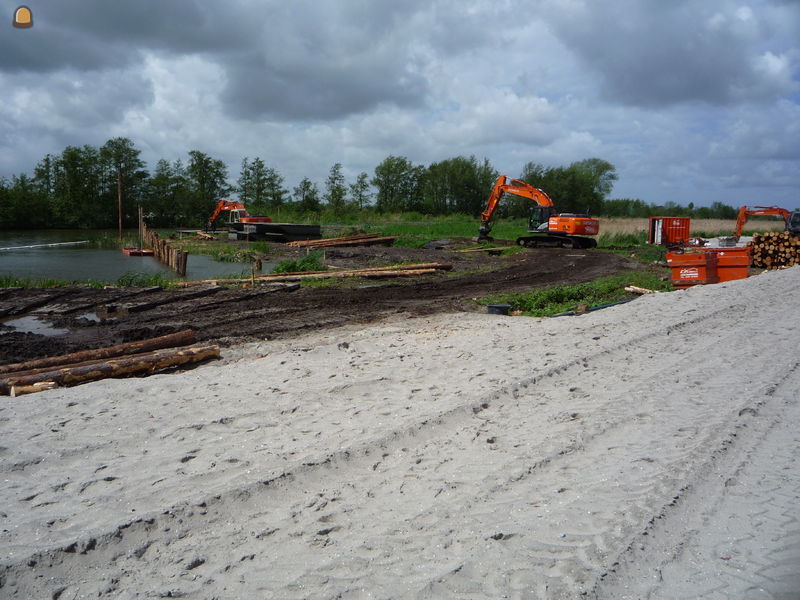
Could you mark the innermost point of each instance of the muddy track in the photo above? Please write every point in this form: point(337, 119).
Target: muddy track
point(96, 318)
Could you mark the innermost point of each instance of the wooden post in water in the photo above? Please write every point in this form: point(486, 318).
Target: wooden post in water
point(174, 258)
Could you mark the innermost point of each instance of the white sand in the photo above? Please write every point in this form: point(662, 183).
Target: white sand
point(622, 453)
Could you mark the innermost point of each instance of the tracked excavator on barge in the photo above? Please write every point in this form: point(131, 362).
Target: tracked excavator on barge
point(546, 226)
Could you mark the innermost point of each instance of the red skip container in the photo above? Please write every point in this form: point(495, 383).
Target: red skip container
point(692, 268)
point(732, 263)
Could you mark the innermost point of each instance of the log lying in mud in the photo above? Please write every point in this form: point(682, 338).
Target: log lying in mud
point(368, 273)
point(774, 250)
point(360, 239)
point(180, 338)
point(136, 364)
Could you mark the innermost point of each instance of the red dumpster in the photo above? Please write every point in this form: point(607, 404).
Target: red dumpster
point(692, 268)
point(732, 263)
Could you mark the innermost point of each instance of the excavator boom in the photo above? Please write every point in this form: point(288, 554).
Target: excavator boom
point(745, 212)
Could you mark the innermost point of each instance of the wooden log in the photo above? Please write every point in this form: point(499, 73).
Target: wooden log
point(137, 364)
point(180, 338)
point(365, 240)
point(366, 272)
point(635, 289)
point(20, 390)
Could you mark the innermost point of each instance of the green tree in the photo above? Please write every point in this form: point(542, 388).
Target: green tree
point(207, 179)
point(22, 204)
point(398, 183)
point(306, 196)
point(276, 194)
point(579, 188)
point(457, 185)
point(124, 178)
point(77, 190)
point(335, 190)
point(360, 194)
point(166, 195)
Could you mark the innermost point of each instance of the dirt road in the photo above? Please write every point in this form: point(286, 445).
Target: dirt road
point(641, 451)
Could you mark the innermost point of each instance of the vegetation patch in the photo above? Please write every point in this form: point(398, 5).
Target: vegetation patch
point(9, 281)
point(225, 250)
point(136, 279)
point(565, 298)
point(310, 262)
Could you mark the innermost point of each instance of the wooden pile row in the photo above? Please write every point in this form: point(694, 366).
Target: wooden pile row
point(133, 358)
point(775, 249)
point(167, 255)
point(359, 239)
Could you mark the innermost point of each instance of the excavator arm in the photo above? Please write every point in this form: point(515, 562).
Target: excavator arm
point(745, 212)
point(515, 187)
point(222, 206)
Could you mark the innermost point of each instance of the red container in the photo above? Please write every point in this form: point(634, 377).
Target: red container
point(692, 268)
point(732, 263)
point(669, 231)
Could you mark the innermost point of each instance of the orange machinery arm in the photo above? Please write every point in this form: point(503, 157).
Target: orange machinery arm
point(223, 205)
point(745, 212)
point(516, 187)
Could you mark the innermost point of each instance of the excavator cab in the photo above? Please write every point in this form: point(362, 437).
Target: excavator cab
point(793, 222)
point(539, 218)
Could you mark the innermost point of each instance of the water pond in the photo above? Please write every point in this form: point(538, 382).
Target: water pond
point(33, 255)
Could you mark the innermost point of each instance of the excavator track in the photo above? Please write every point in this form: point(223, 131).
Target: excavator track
point(556, 241)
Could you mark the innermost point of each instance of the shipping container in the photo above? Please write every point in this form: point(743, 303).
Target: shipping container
point(669, 231)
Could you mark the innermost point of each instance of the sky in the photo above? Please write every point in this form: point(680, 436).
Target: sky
point(691, 100)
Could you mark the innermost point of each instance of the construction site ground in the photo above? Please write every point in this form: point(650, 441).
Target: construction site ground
point(86, 317)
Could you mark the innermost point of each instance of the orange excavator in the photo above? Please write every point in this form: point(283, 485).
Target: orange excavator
point(548, 228)
point(238, 214)
point(791, 219)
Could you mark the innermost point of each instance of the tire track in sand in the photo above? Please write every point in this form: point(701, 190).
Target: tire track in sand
point(535, 452)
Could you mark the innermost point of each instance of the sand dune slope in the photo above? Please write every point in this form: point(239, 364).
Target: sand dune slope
point(643, 450)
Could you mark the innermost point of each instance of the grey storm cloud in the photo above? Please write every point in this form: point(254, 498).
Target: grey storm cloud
point(653, 53)
point(296, 60)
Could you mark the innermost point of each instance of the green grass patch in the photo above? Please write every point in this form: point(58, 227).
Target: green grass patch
point(564, 298)
point(310, 262)
point(10, 281)
point(136, 279)
point(225, 250)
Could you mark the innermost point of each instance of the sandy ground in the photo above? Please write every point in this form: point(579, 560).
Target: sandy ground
point(648, 450)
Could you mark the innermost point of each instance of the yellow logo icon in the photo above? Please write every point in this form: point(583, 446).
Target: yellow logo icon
point(23, 18)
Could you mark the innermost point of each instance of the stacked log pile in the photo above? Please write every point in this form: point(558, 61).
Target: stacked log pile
point(775, 250)
point(359, 239)
point(144, 357)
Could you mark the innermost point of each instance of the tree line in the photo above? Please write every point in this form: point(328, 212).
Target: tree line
point(81, 187)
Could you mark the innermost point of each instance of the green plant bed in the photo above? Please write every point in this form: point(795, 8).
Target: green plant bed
point(310, 262)
point(564, 298)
